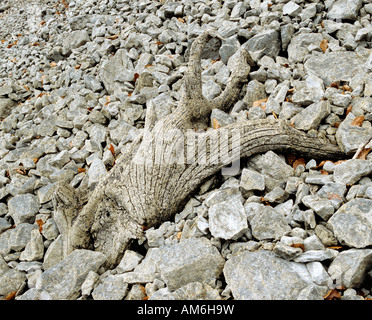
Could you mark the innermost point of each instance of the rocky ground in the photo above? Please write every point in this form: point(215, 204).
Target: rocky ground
point(75, 79)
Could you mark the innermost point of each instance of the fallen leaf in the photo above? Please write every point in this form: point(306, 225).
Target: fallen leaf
point(80, 170)
point(27, 88)
point(11, 295)
point(136, 76)
point(333, 196)
point(297, 162)
point(21, 171)
point(13, 44)
point(180, 20)
point(42, 23)
point(290, 158)
point(323, 172)
point(40, 223)
point(115, 36)
point(363, 154)
point(334, 85)
point(345, 87)
point(298, 245)
point(78, 66)
point(336, 124)
point(35, 44)
point(179, 235)
point(35, 160)
point(348, 110)
point(324, 45)
point(339, 162)
point(158, 43)
point(274, 114)
point(322, 24)
point(358, 121)
point(53, 64)
point(335, 247)
point(259, 103)
point(215, 124)
point(214, 61)
point(111, 148)
point(332, 294)
point(149, 65)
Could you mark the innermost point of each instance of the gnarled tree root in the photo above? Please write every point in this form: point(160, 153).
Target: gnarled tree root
point(152, 181)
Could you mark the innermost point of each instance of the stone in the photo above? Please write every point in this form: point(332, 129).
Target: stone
point(262, 275)
point(268, 224)
point(194, 259)
point(264, 43)
point(227, 220)
point(196, 291)
point(221, 117)
point(16, 239)
point(311, 116)
point(344, 9)
point(321, 206)
point(351, 171)
point(23, 208)
point(350, 267)
point(74, 40)
point(89, 283)
point(252, 180)
point(34, 249)
point(352, 223)
point(316, 255)
point(292, 9)
point(45, 193)
point(333, 67)
point(325, 235)
point(53, 254)
point(221, 195)
point(129, 261)
point(6, 106)
point(318, 274)
point(255, 91)
point(110, 288)
point(63, 281)
point(349, 137)
point(11, 281)
point(4, 225)
point(286, 252)
point(96, 172)
point(272, 167)
point(298, 47)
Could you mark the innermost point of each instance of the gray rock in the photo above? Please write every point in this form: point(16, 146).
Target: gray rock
point(311, 116)
point(74, 40)
point(23, 208)
point(318, 274)
point(277, 195)
point(262, 275)
point(11, 280)
point(54, 253)
point(96, 172)
point(129, 261)
point(321, 206)
point(352, 224)
point(268, 224)
point(89, 283)
point(325, 235)
point(64, 280)
point(298, 47)
point(222, 117)
point(34, 249)
point(45, 193)
point(255, 91)
point(196, 291)
point(6, 106)
point(350, 267)
point(286, 252)
point(4, 225)
point(227, 220)
point(272, 167)
point(218, 196)
point(264, 43)
point(316, 255)
point(351, 171)
point(15, 239)
point(60, 159)
point(252, 180)
point(112, 287)
point(194, 259)
point(292, 9)
point(344, 9)
point(332, 67)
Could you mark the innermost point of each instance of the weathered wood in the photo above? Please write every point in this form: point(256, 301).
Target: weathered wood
point(152, 181)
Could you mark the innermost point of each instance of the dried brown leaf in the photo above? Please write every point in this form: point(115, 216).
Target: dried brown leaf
point(215, 124)
point(324, 45)
point(358, 121)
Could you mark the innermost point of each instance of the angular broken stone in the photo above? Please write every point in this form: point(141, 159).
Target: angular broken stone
point(311, 116)
point(321, 206)
point(350, 267)
point(227, 220)
point(252, 180)
point(352, 223)
point(112, 287)
point(351, 171)
point(344, 9)
point(23, 208)
point(262, 275)
point(63, 281)
point(194, 259)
